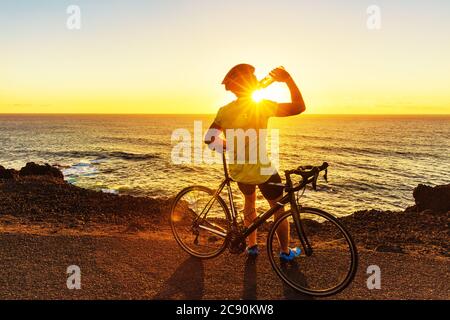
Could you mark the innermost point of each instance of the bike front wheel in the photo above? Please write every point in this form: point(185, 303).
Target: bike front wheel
point(328, 260)
point(200, 222)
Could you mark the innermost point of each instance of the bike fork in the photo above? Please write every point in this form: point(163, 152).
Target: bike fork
point(300, 231)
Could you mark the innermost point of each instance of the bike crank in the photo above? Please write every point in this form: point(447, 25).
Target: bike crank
point(236, 243)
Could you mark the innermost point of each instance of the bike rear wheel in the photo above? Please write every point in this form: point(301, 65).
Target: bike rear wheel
point(200, 222)
point(332, 264)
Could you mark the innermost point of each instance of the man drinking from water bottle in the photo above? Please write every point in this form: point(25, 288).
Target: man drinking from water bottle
point(245, 113)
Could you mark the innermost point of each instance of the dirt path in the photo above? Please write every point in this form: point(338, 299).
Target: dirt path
point(152, 266)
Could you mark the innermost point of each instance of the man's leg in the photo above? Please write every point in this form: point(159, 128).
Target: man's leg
point(283, 227)
point(273, 194)
point(250, 215)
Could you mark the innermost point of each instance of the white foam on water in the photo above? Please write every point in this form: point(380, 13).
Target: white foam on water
point(76, 171)
point(82, 164)
point(111, 191)
point(98, 161)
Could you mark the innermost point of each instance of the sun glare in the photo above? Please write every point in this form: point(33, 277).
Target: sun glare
point(258, 95)
point(275, 93)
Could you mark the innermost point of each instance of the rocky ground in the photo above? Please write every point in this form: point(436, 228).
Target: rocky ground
point(41, 213)
point(44, 196)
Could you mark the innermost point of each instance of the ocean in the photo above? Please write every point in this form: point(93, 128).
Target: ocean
point(375, 161)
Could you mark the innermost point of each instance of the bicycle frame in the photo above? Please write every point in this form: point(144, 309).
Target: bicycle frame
point(260, 219)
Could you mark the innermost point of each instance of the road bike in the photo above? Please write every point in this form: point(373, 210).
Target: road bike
point(204, 226)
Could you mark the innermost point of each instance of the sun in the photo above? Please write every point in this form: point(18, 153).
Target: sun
point(276, 92)
point(258, 95)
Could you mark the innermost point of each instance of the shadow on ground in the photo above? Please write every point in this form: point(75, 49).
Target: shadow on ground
point(251, 279)
point(293, 272)
point(187, 282)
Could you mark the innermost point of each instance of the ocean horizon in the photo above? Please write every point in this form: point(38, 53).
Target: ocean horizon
point(212, 114)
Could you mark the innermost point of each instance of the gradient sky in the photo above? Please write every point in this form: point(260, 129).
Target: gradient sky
point(170, 56)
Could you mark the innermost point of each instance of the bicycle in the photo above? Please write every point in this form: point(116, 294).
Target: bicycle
point(204, 227)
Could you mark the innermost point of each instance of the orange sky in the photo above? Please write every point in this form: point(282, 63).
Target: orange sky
point(143, 57)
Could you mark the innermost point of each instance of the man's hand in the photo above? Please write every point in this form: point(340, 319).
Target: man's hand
point(280, 75)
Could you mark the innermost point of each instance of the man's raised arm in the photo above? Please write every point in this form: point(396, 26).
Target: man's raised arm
point(297, 105)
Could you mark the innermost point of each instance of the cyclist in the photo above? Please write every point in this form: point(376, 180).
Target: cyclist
point(245, 113)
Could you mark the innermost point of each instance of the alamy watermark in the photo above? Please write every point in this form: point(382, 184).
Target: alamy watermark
point(242, 146)
point(374, 17)
point(74, 278)
point(374, 279)
point(74, 19)
point(373, 22)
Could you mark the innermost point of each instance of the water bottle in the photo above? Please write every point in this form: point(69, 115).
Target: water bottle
point(267, 80)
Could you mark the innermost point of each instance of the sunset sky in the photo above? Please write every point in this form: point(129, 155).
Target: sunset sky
point(170, 56)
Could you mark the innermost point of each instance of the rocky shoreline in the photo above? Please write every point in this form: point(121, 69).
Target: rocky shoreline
point(38, 194)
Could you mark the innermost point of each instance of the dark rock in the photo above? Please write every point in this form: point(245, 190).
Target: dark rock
point(8, 173)
point(33, 169)
point(411, 209)
point(436, 198)
point(389, 248)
